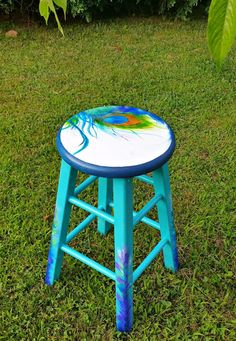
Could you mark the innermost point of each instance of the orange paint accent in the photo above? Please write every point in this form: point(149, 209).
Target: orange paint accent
point(132, 120)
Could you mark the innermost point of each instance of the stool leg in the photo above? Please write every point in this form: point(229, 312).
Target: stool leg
point(104, 199)
point(60, 223)
point(165, 214)
point(123, 213)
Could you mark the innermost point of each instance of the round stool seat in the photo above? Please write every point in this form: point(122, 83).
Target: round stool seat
point(115, 141)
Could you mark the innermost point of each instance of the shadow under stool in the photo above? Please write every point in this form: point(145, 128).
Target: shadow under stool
point(114, 144)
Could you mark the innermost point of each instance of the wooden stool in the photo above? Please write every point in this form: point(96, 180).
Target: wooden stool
point(114, 144)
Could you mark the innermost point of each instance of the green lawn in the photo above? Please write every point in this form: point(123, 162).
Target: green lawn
point(157, 65)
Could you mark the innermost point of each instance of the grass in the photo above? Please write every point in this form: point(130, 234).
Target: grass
point(161, 66)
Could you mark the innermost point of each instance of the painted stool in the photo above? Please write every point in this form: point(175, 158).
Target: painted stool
point(114, 144)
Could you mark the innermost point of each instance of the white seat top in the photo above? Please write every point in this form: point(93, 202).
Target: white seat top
point(115, 137)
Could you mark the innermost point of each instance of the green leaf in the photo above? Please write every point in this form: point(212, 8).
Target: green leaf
point(47, 6)
point(44, 9)
point(62, 4)
point(221, 28)
point(52, 8)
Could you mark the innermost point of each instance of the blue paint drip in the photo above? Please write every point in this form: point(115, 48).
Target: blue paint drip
point(91, 125)
point(85, 140)
point(176, 259)
point(83, 118)
point(175, 251)
point(173, 236)
point(48, 279)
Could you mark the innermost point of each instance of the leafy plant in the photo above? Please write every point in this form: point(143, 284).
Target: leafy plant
point(221, 28)
point(87, 8)
point(6, 6)
point(48, 6)
point(221, 21)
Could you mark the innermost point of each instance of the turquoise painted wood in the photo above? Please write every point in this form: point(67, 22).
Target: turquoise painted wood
point(123, 227)
point(151, 256)
point(90, 262)
point(92, 209)
point(151, 203)
point(80, 227)
point(105, 197)
point(145, 178)
point(165, 213)
point(85, 184)
point(60, 223)
point(144, 220)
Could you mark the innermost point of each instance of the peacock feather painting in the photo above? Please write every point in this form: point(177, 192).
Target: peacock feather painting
point(115, 133)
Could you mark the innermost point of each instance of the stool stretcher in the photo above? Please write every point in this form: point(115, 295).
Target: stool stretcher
point(80, 227)
point(145, 263)
point(88, 261)
point(145, 178)
point(87, 207)
point(107, 272)
point(85, 184)
point(144, 220)
point(139, 215)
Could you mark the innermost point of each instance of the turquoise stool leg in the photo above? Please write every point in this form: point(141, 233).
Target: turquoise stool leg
point(61, 220)
point(104, 199)
point(123, 214)
point(165, 214)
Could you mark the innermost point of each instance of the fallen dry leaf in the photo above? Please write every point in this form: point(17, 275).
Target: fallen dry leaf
point(11, 33)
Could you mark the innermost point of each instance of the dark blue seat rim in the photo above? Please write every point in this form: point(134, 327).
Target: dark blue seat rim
point(115, 172)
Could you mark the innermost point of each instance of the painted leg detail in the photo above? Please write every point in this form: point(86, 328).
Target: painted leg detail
point(124, 292)
point(52, 251)
point(123, 214)
point(61, 220)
